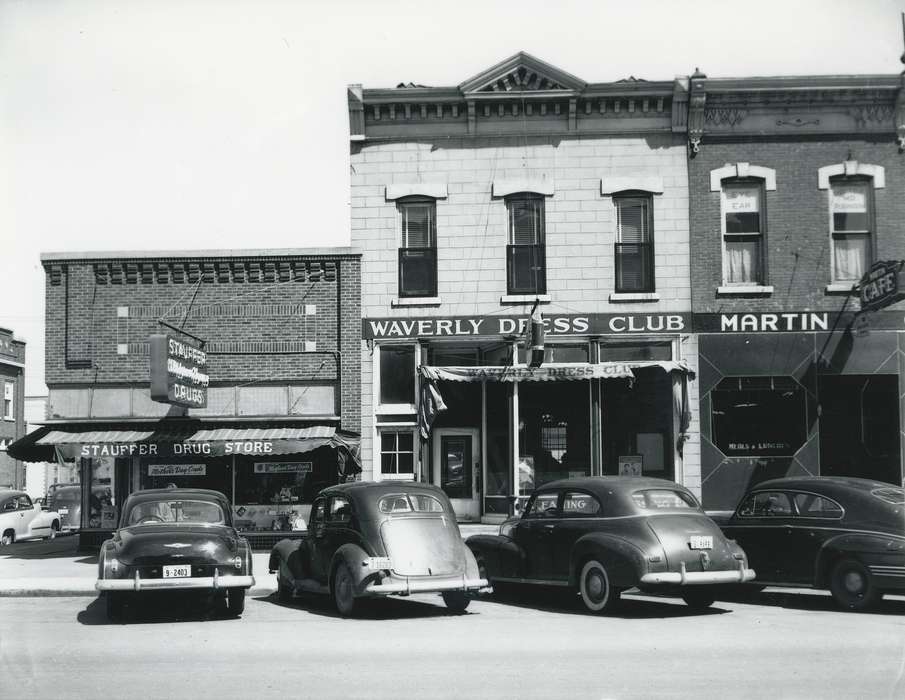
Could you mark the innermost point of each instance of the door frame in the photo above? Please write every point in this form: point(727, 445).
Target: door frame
point(465, 509)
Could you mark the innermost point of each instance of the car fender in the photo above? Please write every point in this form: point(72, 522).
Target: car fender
point(287, 553)
point(865, 547)
point(471, 563)
point(106, 552)
point(624, 561)
point(502, 556)
point(356, 559)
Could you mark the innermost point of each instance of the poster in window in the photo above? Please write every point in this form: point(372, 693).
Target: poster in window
point(851, 198)
point(630, 465)
point(742, 199)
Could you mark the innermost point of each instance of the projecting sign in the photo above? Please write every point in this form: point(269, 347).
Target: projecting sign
point(178, 372)
point(881, 286)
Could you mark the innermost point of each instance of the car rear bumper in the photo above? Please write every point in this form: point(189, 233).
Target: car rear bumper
point(698, 578)
point(137, 583)
point(404, 585)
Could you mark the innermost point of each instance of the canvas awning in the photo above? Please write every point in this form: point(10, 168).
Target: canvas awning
point(552, 372)
point(177, 440)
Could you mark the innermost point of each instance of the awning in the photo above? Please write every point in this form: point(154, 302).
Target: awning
point(180, 440)
point(552, 372)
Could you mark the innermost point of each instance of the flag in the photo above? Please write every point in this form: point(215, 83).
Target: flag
point(430, 407)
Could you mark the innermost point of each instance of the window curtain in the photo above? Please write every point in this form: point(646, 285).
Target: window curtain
point(631, 221)
point(417, 225)
point(850, 258)
point(742, 262)
point(526, 226)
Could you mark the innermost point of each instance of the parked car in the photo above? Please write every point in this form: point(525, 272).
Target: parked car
point(844, 534)
point(20, 519)
point(175, 539)
point(377, 539)
point(602, 535)
point(66, 499)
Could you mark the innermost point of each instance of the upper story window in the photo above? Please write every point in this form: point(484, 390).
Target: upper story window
point(525, 254)
point(9, 392)
point(417, 247)
point(397, 374)
point(851, 226)
point(634, 245)
point(743, 233)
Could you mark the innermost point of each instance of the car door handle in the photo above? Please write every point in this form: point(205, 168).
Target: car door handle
point(549, 528)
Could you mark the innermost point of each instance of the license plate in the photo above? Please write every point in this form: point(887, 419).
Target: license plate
point(177, 571)
point(63, 511)
point(701, 542)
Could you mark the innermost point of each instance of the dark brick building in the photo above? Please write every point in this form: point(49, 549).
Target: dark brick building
point(12, 416)
point(281, 333)
point(796, 187)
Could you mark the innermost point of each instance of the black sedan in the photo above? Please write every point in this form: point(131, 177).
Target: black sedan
point(844, 534)
point(601, 535)
point(175, 539)
point(376, 539)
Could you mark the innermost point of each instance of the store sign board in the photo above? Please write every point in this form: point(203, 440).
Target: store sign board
point(282, 467)
point(554, 325)
point(882, 285)
point(177, 469)
point(178, 372)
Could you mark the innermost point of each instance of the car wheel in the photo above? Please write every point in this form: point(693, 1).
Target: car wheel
point(115, 605)
point(235, 601)
point(8, 538)
point(698, 599)
point(344, 590)
point(852, 586)
point(53, 530)
point(597, 593)
point(457, 601)
point(284, 592)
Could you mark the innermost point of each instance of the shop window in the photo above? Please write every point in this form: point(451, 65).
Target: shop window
point(743, 233)
point(636, 352)
point(418, 247)
point(397, 374)
point(397, 454)
point(559, 352)
point(9, 393)
point(525, 254)
point(851, 221)
point(102, 505)
point(499, 461)
point(634, 244)
point(759, 416)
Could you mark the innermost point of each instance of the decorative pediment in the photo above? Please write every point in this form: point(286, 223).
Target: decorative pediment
point(522, 73)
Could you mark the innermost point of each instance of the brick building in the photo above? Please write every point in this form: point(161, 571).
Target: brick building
point(797, 186)
point(12, 420)
point(280, 331)
point(522, 186)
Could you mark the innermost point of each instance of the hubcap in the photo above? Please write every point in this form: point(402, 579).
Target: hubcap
point(595, 585)
point(853, 582)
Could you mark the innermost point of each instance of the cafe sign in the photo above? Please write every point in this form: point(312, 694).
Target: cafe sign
point(882, 285)
point(178, 372)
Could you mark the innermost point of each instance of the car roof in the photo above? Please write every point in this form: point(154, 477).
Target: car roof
point(825, 483)
point(6, 493)
point(154, 494)
point(360, 488)
point(598, 484)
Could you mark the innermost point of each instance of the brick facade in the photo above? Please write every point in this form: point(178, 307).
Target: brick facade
point(12, 374)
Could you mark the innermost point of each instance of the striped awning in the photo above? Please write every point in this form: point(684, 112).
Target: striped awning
point(551, 372)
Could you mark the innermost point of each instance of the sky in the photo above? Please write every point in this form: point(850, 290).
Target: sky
point(196, 124)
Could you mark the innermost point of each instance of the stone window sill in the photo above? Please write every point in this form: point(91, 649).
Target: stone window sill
point(416, 301)
point(840, 288)
point(744, 290)
point(525, 298)
point(634, 296)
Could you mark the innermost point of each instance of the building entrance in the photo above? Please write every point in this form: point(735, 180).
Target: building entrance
point(457, 469)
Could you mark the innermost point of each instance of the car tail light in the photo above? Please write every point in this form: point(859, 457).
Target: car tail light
point(237, 562)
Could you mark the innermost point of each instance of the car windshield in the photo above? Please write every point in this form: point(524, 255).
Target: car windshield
point(891, 495)
point(410, 503)
point(663, 499)
point(176, 511)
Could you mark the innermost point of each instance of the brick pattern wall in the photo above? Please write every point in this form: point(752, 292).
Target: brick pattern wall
point(797, 219)
point(12, 472)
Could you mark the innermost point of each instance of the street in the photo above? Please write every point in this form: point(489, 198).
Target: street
point(528, 644)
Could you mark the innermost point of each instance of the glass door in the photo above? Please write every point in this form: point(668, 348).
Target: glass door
point(457, 469)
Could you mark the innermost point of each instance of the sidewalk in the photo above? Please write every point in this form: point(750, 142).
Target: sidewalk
point(56, 568)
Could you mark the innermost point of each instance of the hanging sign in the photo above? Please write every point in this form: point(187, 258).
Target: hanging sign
point(178, 372)
point(881, 285)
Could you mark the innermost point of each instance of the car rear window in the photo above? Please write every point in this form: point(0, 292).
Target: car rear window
point(410, 503)
point(68, 496)
point(176, 511)
point(891, 495)
point(663, 499)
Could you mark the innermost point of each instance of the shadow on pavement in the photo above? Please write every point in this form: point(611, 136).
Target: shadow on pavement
point(157, 607)
point(801, 599)
point(64, 546)
point(632, 606)
point(389, 608)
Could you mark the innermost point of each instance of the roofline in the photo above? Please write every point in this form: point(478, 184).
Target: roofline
point(325, 252)
point(889, 81)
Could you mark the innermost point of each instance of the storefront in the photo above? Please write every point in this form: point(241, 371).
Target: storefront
point(270, 475)
point(610, 397)
point(797, 394)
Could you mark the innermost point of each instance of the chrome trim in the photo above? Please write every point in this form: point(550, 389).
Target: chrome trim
point(697, 578)
point(535, 581)
point(410, 584)
point(139, 584)
point(840, 530)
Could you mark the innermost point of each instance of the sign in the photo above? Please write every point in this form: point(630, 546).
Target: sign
point(177, 469)
point(553, 325)
point(282, 467)
point(630, 465)
point(178, 372)
point(881, 286)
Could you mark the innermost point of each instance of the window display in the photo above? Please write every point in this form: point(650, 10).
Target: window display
point(102, 506)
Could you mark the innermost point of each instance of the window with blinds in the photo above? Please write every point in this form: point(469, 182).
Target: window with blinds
point(634, 244)
point(850, 203)
point(525, 254)
point(417, 250)
point(742, 209)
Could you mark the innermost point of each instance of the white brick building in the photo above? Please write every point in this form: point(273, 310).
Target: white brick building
point(524, 185)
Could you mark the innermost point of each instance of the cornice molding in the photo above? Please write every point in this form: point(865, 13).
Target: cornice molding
point(522, 70)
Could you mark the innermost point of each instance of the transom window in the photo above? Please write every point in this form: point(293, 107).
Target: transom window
point(397, 453)
point(743, 232)
point(526, 257)
point(418, 247)
point(634, 244)
point(851, 210)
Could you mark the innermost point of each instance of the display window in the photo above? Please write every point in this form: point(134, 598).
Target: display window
point(103, 504)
